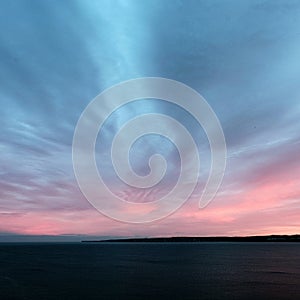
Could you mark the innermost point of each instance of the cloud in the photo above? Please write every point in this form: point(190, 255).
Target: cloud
point(241, 56)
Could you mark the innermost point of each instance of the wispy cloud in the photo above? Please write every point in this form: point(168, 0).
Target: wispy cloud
point(241, 56)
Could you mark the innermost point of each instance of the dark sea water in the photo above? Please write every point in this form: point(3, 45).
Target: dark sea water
point(150, 271)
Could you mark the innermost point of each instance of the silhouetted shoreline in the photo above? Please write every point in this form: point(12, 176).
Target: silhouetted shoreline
point(266, 238)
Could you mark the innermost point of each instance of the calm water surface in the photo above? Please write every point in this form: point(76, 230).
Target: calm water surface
point(150, 271)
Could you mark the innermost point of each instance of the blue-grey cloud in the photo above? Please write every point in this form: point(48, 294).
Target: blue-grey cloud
point(55, 56)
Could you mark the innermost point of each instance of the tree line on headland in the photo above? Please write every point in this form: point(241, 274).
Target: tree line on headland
point(194, 239)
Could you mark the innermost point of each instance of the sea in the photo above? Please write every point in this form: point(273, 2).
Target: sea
point(150, 271)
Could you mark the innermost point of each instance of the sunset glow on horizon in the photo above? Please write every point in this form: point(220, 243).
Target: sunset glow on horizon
point(56, 56)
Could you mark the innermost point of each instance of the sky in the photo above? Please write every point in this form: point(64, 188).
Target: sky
point(241, 56)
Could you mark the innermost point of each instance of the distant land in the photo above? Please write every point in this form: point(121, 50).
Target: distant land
point(195, 239)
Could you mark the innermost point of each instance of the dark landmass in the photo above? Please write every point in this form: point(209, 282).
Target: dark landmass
point(266, 238)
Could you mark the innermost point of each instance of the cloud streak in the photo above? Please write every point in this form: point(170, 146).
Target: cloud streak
point(241, 56)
